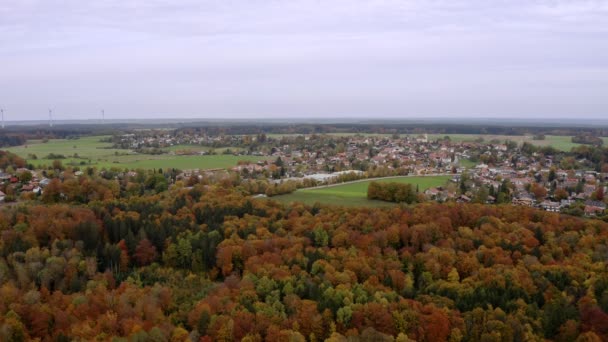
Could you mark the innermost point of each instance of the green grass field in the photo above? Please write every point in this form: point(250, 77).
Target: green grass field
point(90, 151)
point(355, 194)
point(467, 163)
point(562, 143)
point(184, 162)
point(199, 148)
point(89, 146)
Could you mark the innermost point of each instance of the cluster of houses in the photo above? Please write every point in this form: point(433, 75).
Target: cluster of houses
point(165, 140)
point(13, 183)
point(310, 154)
point(301, 159)
point(360, 153)
point(578, 186)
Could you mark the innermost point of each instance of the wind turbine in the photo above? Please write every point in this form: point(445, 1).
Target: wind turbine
point(103, 116)
point(50, 117)
point(2, 111)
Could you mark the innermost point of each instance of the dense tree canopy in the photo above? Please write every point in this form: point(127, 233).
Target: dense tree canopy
point(209, 263)
point(11, 160)
point(392, 192)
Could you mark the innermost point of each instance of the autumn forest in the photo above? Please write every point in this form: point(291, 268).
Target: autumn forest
point(209, 263)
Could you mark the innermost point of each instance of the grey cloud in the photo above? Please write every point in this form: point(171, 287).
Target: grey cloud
point(304, 57)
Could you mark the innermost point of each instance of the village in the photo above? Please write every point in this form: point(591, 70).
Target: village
point(481, 171)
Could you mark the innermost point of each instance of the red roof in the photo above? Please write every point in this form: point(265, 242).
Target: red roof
point(592, 210)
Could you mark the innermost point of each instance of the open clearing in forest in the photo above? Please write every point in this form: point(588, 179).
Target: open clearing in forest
point(355, 193)
point(90, 151)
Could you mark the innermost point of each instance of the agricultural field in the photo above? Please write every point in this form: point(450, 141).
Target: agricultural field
point(185, 162)
point(467, 163)
point(355, 193)
point(90, 151)
point(199, 148)
point(562, 143)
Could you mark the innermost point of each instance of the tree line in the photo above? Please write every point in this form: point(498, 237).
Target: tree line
point(207, 262)
point(392, 192)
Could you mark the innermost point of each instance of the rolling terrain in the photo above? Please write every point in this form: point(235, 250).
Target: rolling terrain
point(355, 193)
point(90, 151)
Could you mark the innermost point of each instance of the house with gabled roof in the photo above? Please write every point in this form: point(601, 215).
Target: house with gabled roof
point(594, 207)
point(524, 199)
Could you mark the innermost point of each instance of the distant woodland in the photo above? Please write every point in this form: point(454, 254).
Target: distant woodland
point(587, 139)
point(112, 255)
point(17, 135)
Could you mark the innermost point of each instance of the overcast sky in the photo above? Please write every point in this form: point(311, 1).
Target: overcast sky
point(303, 58)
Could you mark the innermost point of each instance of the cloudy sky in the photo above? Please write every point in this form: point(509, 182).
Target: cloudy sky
point(304, 58)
